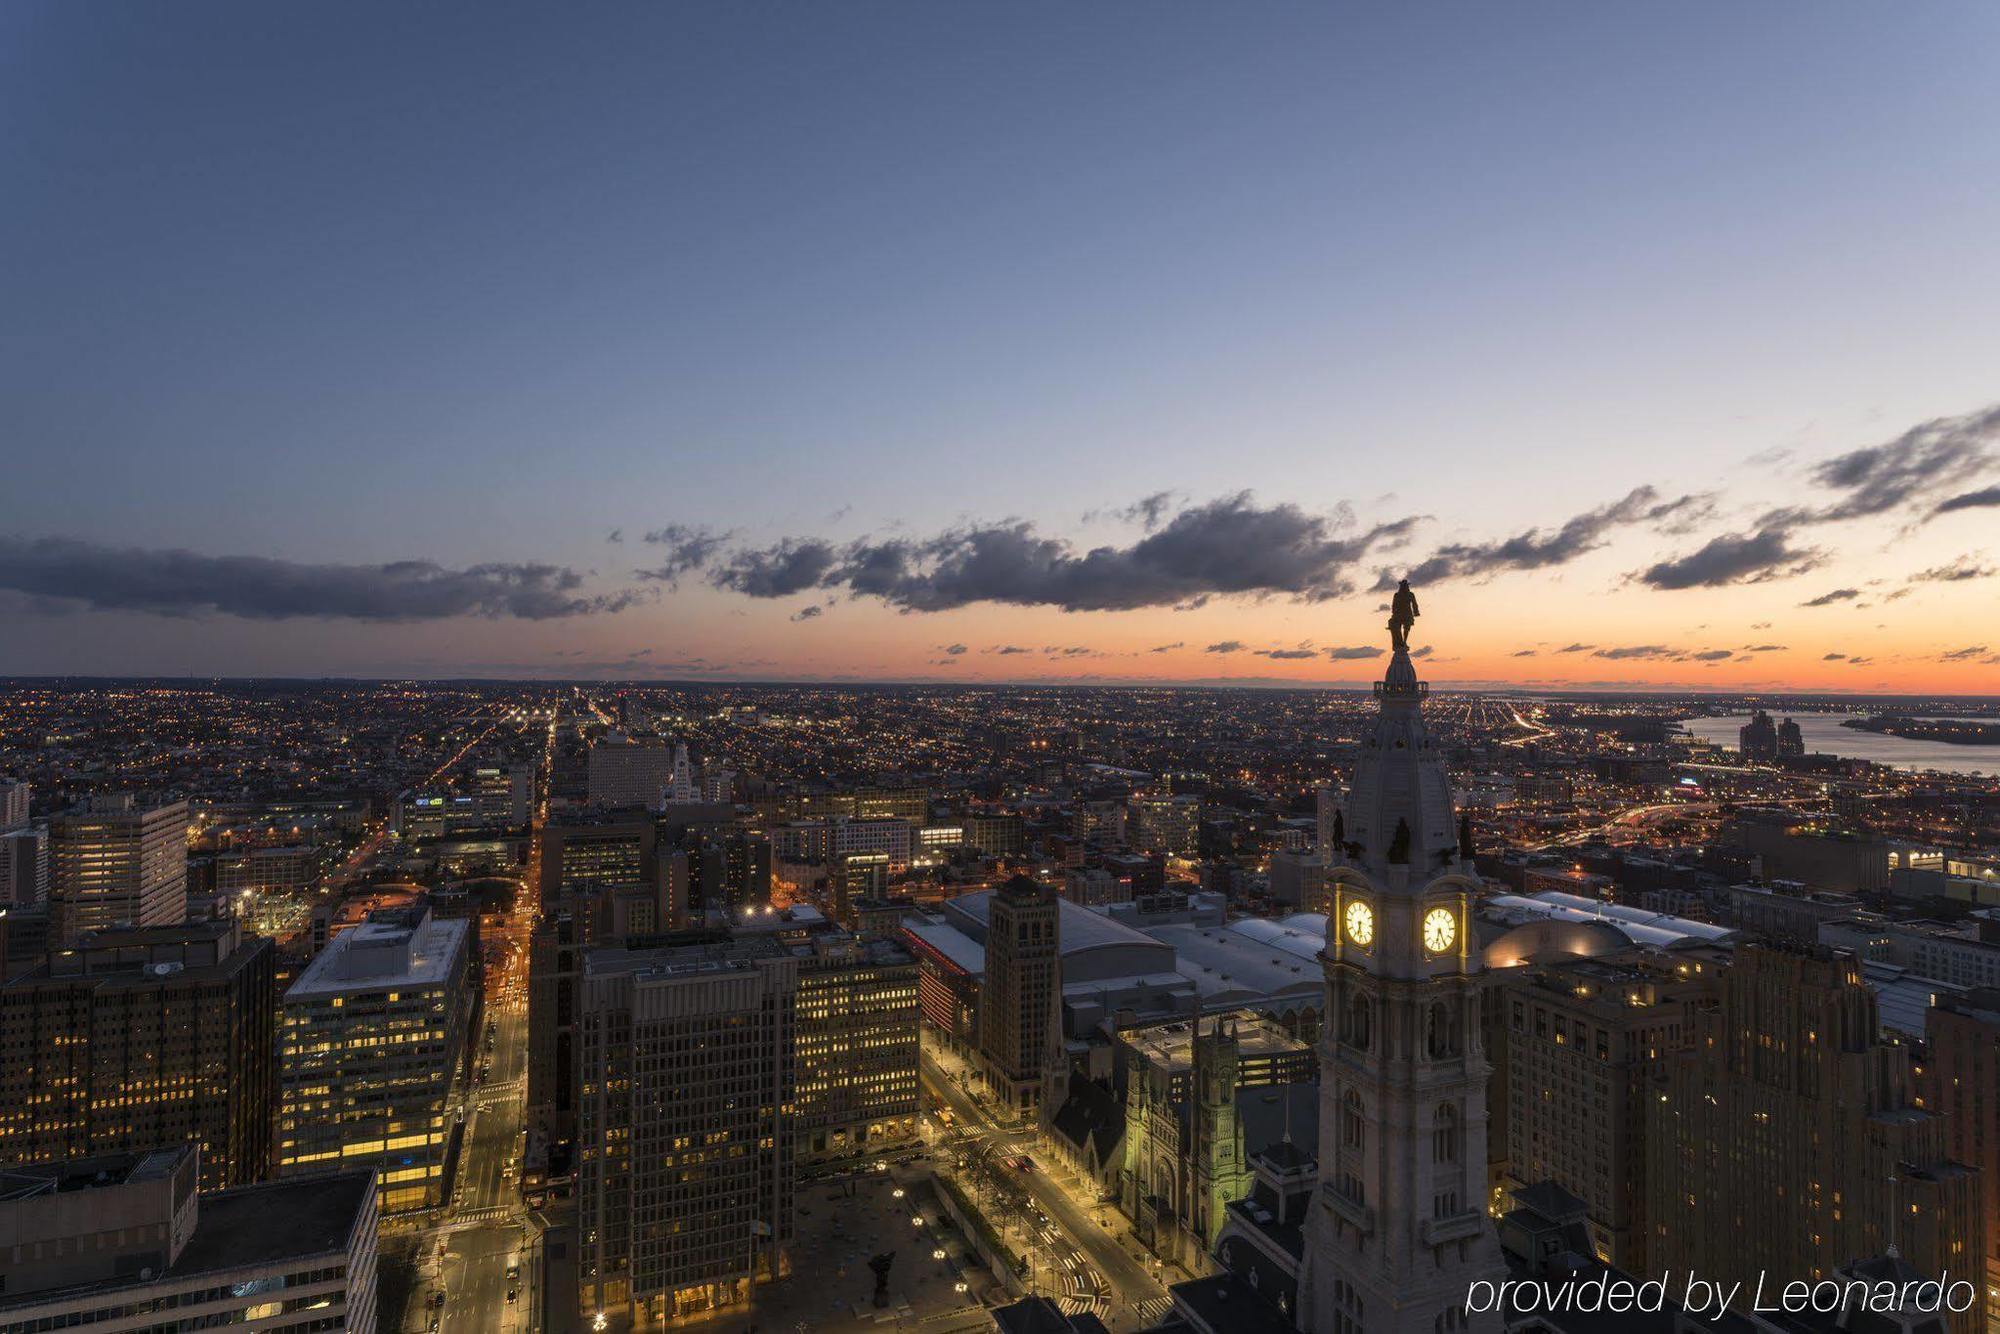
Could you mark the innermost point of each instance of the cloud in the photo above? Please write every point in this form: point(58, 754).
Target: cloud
point(809, 613)
point(1577, 648)
point(1167, 648)
point(1713, 655)
point(615, 535)
point(1834, 657)
point(1226, 646)
point(1928, 457)
point(1984, 498)
point(776, 571)
point(1733, 558)
point(1286, 653)
point(1148, 510)
point(687, 549)
point(1537, 549)
point(1961, 654)
point(1961, 569)
point(955, 650)
point(1764, 648)
point(1009, 650)
point(1645, 651)
point(1524, 653)
point(177, 582)
point(1225, 548)
point(1828, 599)
point(1423, 652)
point(1354, 652)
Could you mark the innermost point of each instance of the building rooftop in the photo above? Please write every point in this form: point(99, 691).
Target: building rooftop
point(276, 1220)
point(394, 947)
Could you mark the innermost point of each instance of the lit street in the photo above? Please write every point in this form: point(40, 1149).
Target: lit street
point(1074, 1224)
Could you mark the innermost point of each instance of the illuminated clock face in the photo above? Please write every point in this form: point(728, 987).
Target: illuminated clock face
point(1440, 929)
point(1360, 923)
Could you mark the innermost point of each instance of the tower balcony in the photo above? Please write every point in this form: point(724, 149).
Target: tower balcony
point(1461, 1226)
point(1359, 1216)
point(1402, 689)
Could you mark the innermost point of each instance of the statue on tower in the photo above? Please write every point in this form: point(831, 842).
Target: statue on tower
point(1403, 614)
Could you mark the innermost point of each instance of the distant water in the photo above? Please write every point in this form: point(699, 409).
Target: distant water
point(1825, 736)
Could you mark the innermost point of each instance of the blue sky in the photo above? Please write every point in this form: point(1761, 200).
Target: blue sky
point(479, 284)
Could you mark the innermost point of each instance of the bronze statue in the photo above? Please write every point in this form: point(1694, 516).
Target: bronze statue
point(880, 1264)
point(1403, 614)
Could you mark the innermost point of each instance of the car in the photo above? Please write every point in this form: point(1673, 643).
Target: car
point(512, 1293)
point(514, 1271)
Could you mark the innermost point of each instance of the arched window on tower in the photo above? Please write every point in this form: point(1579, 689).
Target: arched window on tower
point(1445, 1137)
point(1353, 1125)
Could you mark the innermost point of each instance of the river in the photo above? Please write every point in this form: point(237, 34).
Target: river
point(1825, 736)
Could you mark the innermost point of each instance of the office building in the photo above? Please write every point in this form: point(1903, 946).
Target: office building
point(501, 795)
point(1166, 824)
point(13, 804)
point(141, 1037)
point(994, 835)
point(597, 854)
point(685, 1131)
point(126, 1242)
point(627, 772)
point(1962, 1084)
point(1790, 1139)
point(858, 1023)
point(375, 1047)
point(24, 867)
point(1020, 1007)
point(1298, 880)
point(1758, 738)
point(119, 860)
point(1584, 1039)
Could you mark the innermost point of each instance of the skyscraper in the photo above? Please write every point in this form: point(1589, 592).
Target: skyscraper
point(1585, 1039)
point(685, 1129)
point(13, 804)
point(1963, 1083)
point(1400, 1227)
point(1790, 1140)
point(1020, 1005)
point(856, 1082)
point(119, 860)
point(137, 1038)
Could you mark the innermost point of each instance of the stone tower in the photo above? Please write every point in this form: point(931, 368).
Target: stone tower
point(1221, 1169)
point(1398, 1227)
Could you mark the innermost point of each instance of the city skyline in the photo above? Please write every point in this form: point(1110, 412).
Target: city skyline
point(1655, 360)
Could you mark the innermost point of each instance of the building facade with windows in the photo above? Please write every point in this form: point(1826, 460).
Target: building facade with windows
point(376, 1045)
point(132, 1039)
point(126, 1242)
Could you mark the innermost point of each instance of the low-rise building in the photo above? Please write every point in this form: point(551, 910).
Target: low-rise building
point(126, 1243)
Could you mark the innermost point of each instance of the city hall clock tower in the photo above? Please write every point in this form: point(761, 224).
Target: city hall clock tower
point(1398, 1228)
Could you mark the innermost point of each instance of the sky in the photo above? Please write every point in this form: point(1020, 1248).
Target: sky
point(872, 341)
